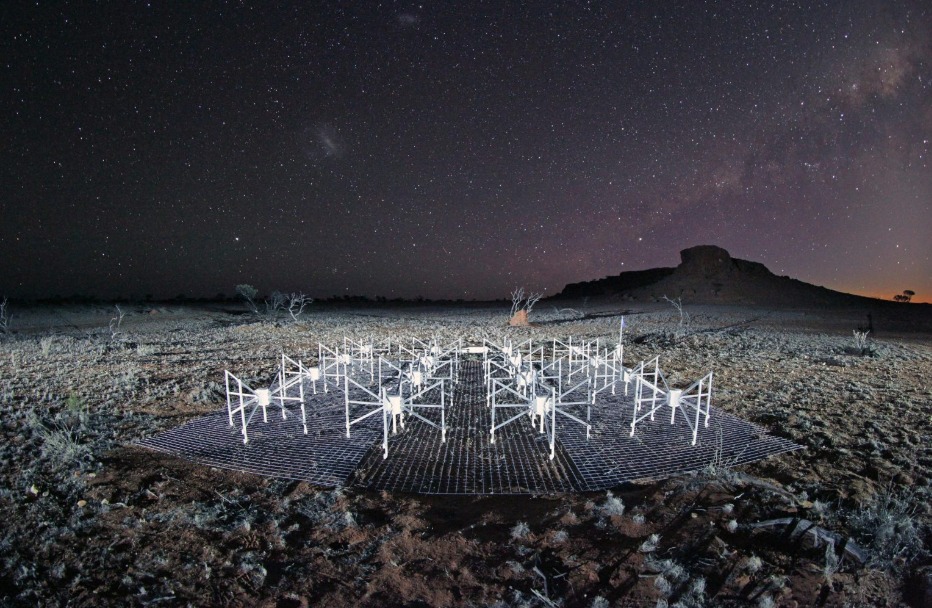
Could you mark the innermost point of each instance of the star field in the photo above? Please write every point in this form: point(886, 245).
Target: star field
point(455, 150)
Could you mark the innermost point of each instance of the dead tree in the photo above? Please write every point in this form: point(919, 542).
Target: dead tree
point(116, 323)
point(522, 306)
point(517, 297)
point(683, 327)
point(296, 304)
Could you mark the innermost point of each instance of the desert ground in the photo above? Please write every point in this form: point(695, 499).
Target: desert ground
point(92, 519)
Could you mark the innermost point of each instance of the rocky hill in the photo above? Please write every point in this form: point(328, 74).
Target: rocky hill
point(622, 283)
point(708, 274)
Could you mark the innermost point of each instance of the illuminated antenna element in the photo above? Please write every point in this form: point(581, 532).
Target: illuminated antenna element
point(241, 398)
point(495, 416)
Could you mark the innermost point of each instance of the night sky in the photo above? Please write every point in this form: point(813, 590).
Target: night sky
point(456, 150)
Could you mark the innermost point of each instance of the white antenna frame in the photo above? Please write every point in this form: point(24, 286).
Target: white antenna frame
point(697, 397)
point(645, 378)
point(289, 377)
point(246, 397)
point(518, 377)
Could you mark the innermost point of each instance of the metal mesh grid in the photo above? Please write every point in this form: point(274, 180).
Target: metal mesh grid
point(278, 448)
point(467, 463)
point(658, 448)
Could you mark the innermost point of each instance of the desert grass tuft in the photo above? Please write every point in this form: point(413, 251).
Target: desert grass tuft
point(650, 545)
point(612, 505)
point(889, 527)
point(520, 531)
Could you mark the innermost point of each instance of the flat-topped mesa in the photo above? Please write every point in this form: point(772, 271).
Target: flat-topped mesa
point(711, 261)
point(705, 271)
point(705, 256)
point(708, 274)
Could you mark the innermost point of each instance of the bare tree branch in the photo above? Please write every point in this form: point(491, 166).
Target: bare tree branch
point(517, 296)
point(116, 322)
point(531, 301)
point(296, 304)
point(683, 327)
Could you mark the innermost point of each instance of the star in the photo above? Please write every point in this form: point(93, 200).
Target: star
point(462, 145)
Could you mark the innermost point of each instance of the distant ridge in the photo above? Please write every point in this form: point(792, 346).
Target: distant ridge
point(621, 283)
point(709, 275)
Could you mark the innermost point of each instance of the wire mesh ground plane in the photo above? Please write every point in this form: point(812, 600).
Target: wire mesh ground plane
point(465, 461)
point(279, 448)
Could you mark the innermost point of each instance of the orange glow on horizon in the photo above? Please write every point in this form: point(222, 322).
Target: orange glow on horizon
point(884, 295)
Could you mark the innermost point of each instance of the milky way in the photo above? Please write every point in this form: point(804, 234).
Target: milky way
point(457, 152)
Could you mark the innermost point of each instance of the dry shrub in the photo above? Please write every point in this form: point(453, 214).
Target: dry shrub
point(889, 527)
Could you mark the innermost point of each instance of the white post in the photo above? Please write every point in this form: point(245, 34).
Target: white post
point(492, 405)
point(653, 400)
point(262, 395)
point(698, 413)
point(384, 427)
point(226, 377)
point(301, 394)
point(242, 410)
point(314, 375)
point(540, 409)
point(322, 364)
point(637, 401)
point(345, 399)
point(281, 387)
point(443, 418)
point(673, 399)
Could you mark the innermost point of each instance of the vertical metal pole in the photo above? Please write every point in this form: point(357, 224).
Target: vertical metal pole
point(226, 378)
point(543, 414)
point(301, 395)
point(493, 417)
point(346, 401)
point(281, 388)
point(637, 402)
point(384, 425)
point(487, 368)
point(560, 374)
point(698, 413)
point(653, 401)
point(322, 364)
point(590, 397)
point(242, 410)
